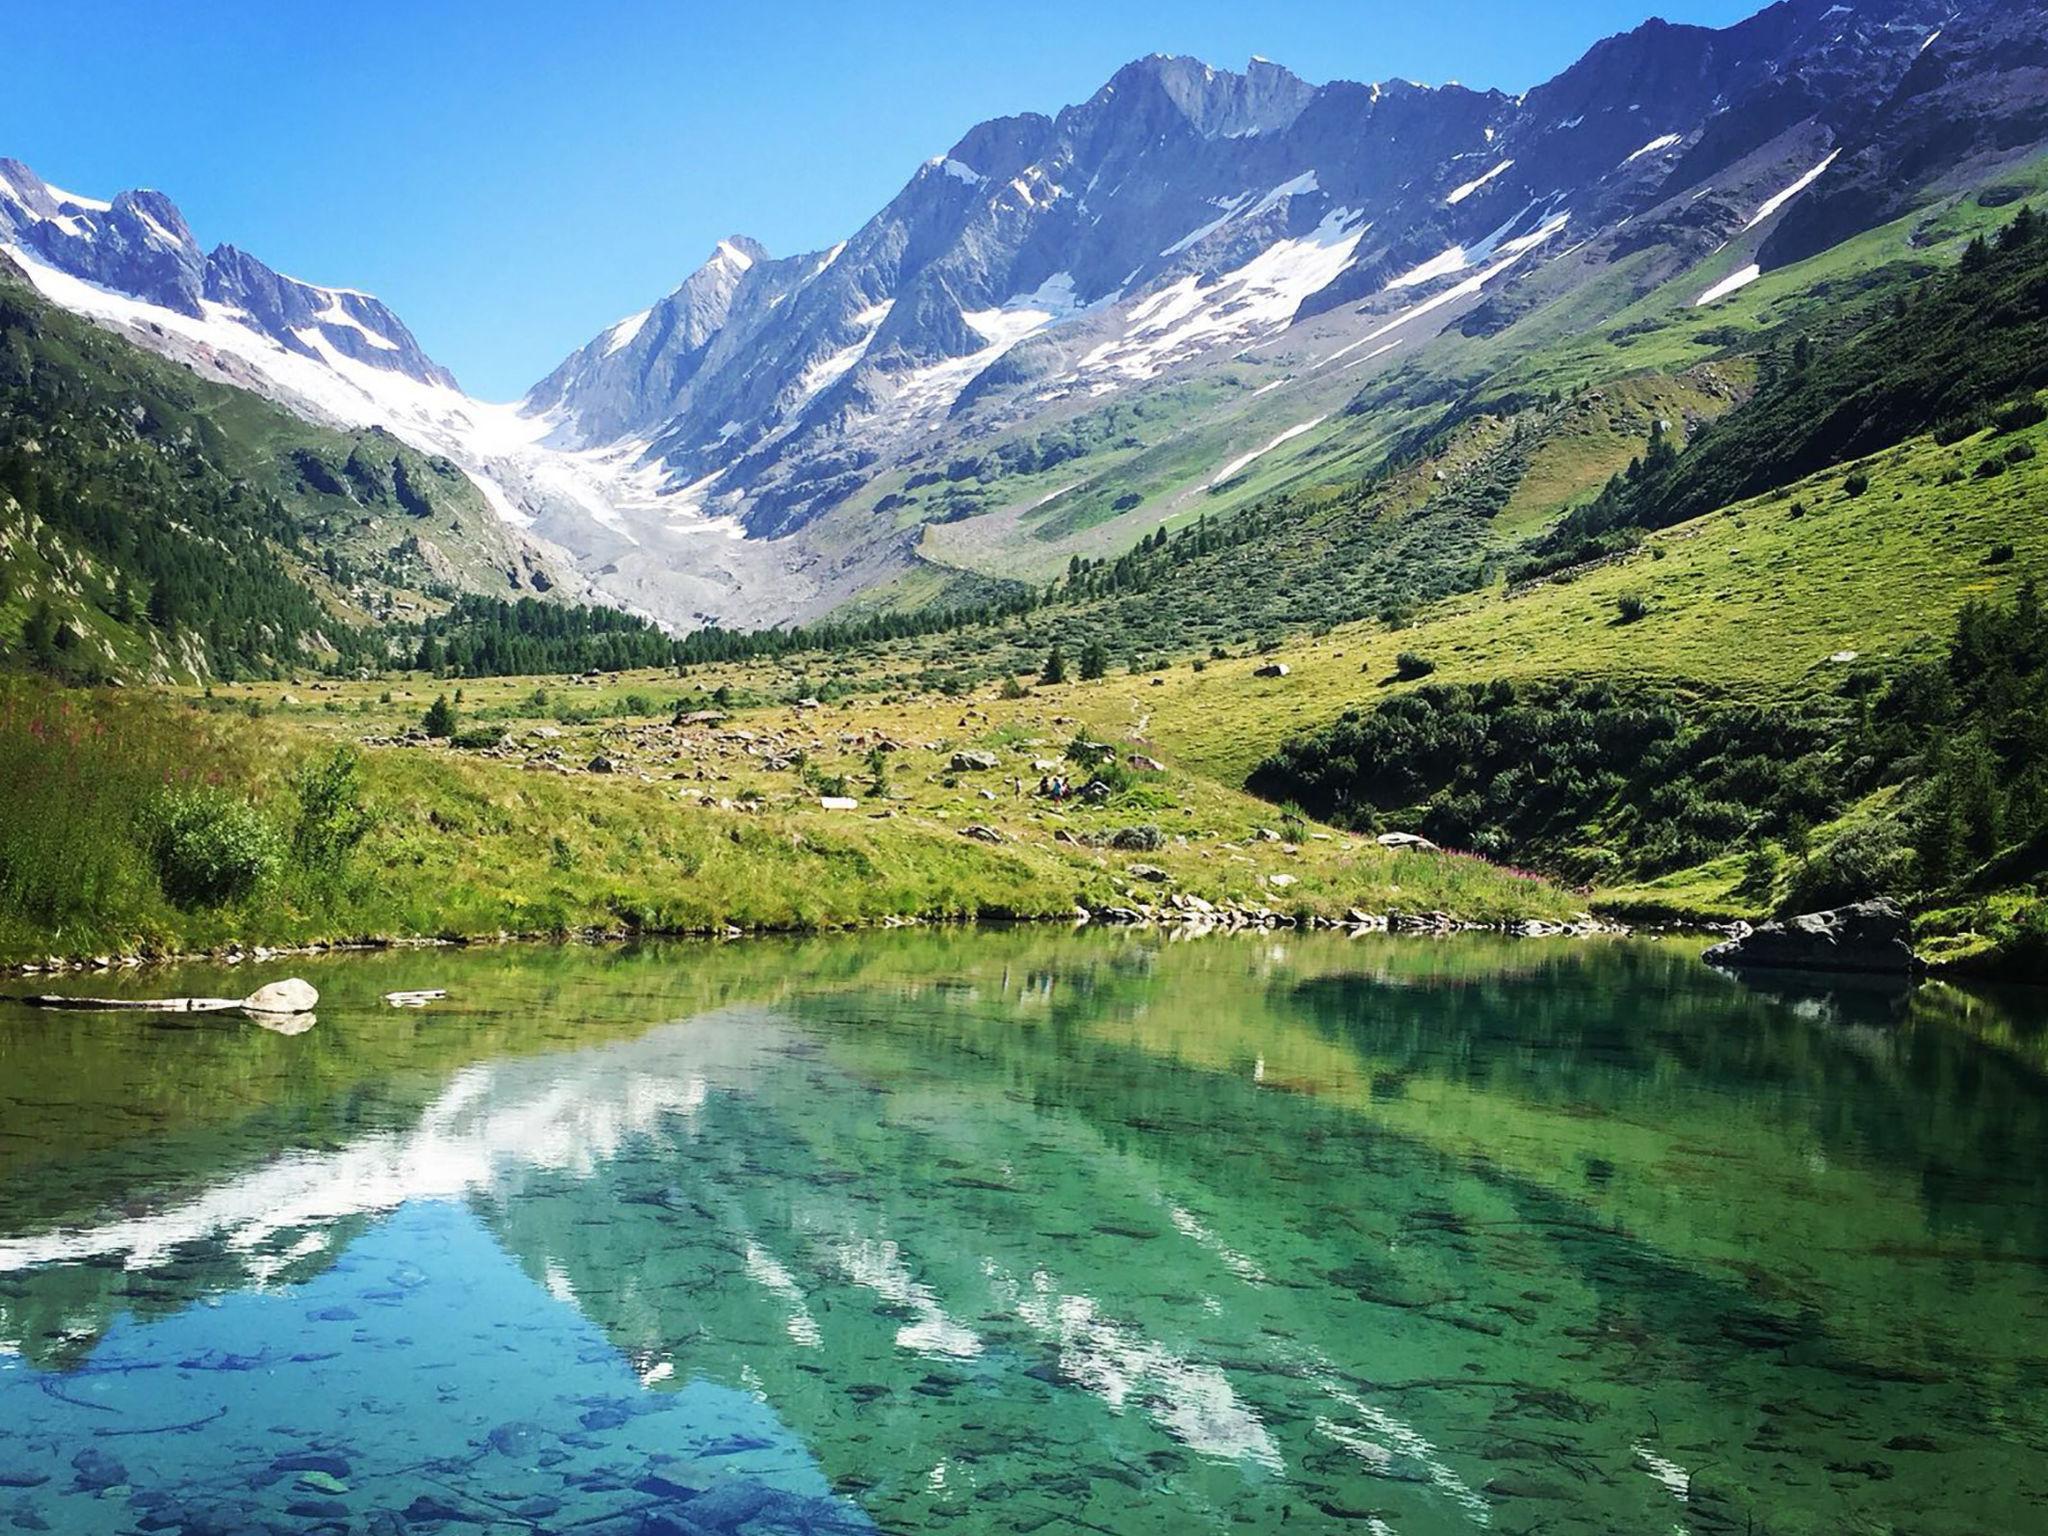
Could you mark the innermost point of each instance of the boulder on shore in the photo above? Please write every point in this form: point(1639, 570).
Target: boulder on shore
point(1868, 936)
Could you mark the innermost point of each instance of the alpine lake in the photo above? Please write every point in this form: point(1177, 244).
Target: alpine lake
point(1022, 1230)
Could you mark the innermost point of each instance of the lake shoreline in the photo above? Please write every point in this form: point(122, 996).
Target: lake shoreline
point(1185, 923)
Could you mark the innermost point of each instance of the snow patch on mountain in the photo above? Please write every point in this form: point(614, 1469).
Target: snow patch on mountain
point(1460, 194)
point(1661, 142)
point(1782, 198)
point(624, 331)
point(1260, 296)
point(1238, 466)
point(1734, 282)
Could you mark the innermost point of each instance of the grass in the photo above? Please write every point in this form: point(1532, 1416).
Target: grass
point(699, 831)
point(704, 828)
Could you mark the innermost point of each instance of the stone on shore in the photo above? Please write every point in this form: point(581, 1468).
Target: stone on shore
point(1868, 936)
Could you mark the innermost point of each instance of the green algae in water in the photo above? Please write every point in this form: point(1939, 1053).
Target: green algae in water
point(1021, 1231)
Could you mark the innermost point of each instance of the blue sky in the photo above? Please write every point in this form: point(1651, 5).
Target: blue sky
point(512, 177)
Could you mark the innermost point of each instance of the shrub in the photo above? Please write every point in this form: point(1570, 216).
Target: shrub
point(478, 739)
point(1084, 753)
point(1630, 607)
point(1856, 483)
point(332, 819)
point(2020, 415)
point(1991, 469)
point(211, 848)
point(1867, 861)
point(439, 720)
point(1408, 666)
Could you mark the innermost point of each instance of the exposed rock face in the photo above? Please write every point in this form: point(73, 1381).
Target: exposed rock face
point(1869, 936)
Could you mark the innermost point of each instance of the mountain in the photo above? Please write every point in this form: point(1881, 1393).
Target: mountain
point(1188, 225)
point(139, 244)
point(154, 525)
point(1067, 331)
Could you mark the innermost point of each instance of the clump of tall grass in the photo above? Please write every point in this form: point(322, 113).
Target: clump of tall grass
point(118, 813)
point(82, 779)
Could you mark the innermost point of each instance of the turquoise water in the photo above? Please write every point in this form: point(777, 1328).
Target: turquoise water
point(1029, 1231)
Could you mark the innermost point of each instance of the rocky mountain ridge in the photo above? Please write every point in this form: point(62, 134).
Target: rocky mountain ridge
point(1234, 256)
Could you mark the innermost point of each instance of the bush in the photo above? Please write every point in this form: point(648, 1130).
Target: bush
point(211, 848)
point(1084, 753)
point(1856, 484)
point(2020, 415)
point(1867, 861)
point(1408, 666)
point(1631, 607)
point(333, 819)
point(478, 739)
point(439, 720)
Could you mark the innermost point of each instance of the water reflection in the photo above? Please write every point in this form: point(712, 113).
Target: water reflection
point(1012, 1232)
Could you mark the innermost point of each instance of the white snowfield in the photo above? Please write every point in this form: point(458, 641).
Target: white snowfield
point(1786, 196)
point(1661, 142)
point(1470, 187)
point(1238, 466)
point(1734, 282)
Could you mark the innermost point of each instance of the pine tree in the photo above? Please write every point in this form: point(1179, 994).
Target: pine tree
point(1094, 660)
point(1055, 668)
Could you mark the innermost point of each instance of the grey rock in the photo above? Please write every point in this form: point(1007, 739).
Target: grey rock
point(973, 762)
point(1868, 936)
point(1410, 841)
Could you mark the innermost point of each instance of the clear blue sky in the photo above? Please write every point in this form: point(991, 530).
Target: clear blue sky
point(512, 177)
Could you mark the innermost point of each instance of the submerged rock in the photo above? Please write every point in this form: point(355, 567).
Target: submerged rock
point(96, 1469)
point(1869, 936)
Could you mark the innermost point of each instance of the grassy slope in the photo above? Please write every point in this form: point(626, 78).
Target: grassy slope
point(468, 844)
point(234, 438)
point(1749, 602)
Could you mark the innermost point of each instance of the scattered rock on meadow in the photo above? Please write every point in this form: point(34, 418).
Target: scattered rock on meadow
point(1411, 842)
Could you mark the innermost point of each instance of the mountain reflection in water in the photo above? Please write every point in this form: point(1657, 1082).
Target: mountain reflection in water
point(1020, 1231)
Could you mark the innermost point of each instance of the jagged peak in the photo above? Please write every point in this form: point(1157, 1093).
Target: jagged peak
point(737, 253)
point(1220, 103)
